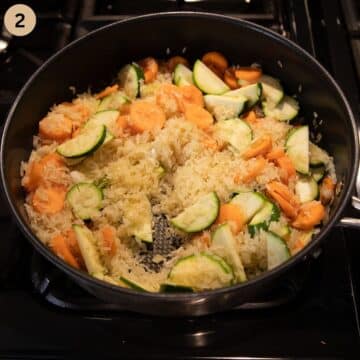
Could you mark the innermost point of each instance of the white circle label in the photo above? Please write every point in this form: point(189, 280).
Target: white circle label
point(20, 20)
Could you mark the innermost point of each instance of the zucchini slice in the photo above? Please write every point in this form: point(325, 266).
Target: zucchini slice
point(182, 75)
point(84, 144)
point(129, 79)
point(318, 156)
point(262, 219)
point(113, 101)
point(173, 288)
point(132, 284)
point(224, 244)
point(236, 132)
point(297, 148)
point(142, 229)
point(251, 92)
point(249, 202)
point(85, 199)
point(225, 107)
point(277, 250)
point(286, 110)
point(105, 117)
point(281, 230)
point(207, 81)
point(306, 188)
point(86, 242)
point(317, 173)
point(201, 272)
point(198, 216)
point(272, 91)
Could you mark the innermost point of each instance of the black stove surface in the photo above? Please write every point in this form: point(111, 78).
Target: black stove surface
point(43, 314)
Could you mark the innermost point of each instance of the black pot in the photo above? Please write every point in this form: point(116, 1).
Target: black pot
point(94, 59)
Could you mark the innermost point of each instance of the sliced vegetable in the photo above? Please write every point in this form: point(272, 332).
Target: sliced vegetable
point(133, 285)
point(251, 92)
point(216, 60)
point(84, 144)
point(60, 247)
point(261, 146)
point(281, 230)
point(318, 157)
point(201, 272)
point(85, 200)
point(249, 74)
point(182, 75)
point(297, 148)
point(277, 250)
point(107, 118)
point(225, 107)
point(176, 60)
point(89, 252)
point(56, 127)
point(150, 69)
point(249, 202)
point(224, 245)
point(198, 216)
point(208, 81)
point(232, 214)
point(129, 79)
point(113, 101)
point(272, 90)
point(310, 215)
point(285, 110)
point(262, 219)
point(317, 173)
point(142, 229)
point(306, 188)
point(49, 199)
point(198, 116)
point(236, 132)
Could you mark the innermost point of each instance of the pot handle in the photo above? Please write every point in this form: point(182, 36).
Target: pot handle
point(349, 222)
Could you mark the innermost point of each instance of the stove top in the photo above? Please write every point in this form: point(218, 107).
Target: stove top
point(312, 315)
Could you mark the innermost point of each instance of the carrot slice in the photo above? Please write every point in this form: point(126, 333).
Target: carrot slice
point(232, 214)
point(250, 117)
point(191, 95)
point(216, 60)
point(288, 168)
point(73, 245)
point(107, 91)
point(56, 127)
point(60, 247)
point(327, 190)
point(230, 79)
point(49, 199)
point(35, 174)
point(170, 99)
point(108, 239)
point(261, 146)
point(310, 214)
point(252, 173)
point(250, 74)
point(198, 116)
point(146, 117)
point(150, 68)
point(175, 60)
point(275, 154)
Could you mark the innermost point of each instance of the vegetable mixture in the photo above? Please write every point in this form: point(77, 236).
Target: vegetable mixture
point(177, 177)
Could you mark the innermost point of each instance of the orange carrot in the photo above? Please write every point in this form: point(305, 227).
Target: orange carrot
point(232, 214)
point(49, 199)
point(60, 247)
point(107, 91)
point(216, 60)
point(230, 79)
point(261, 146)
point(73, 245)
point(108, 239)
point(252, 173)
point(146, 117)
point(170, 99)
point(275, 154)
point(150, 68)
point(250, 74)
point(175, 60)
point(327, 190)
point(310, 214)
point(198, 116)
point(285, 163)
point(250, 117)
point(191, 95)
point(55, 127)
point(122, 123)
point(35, 174)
